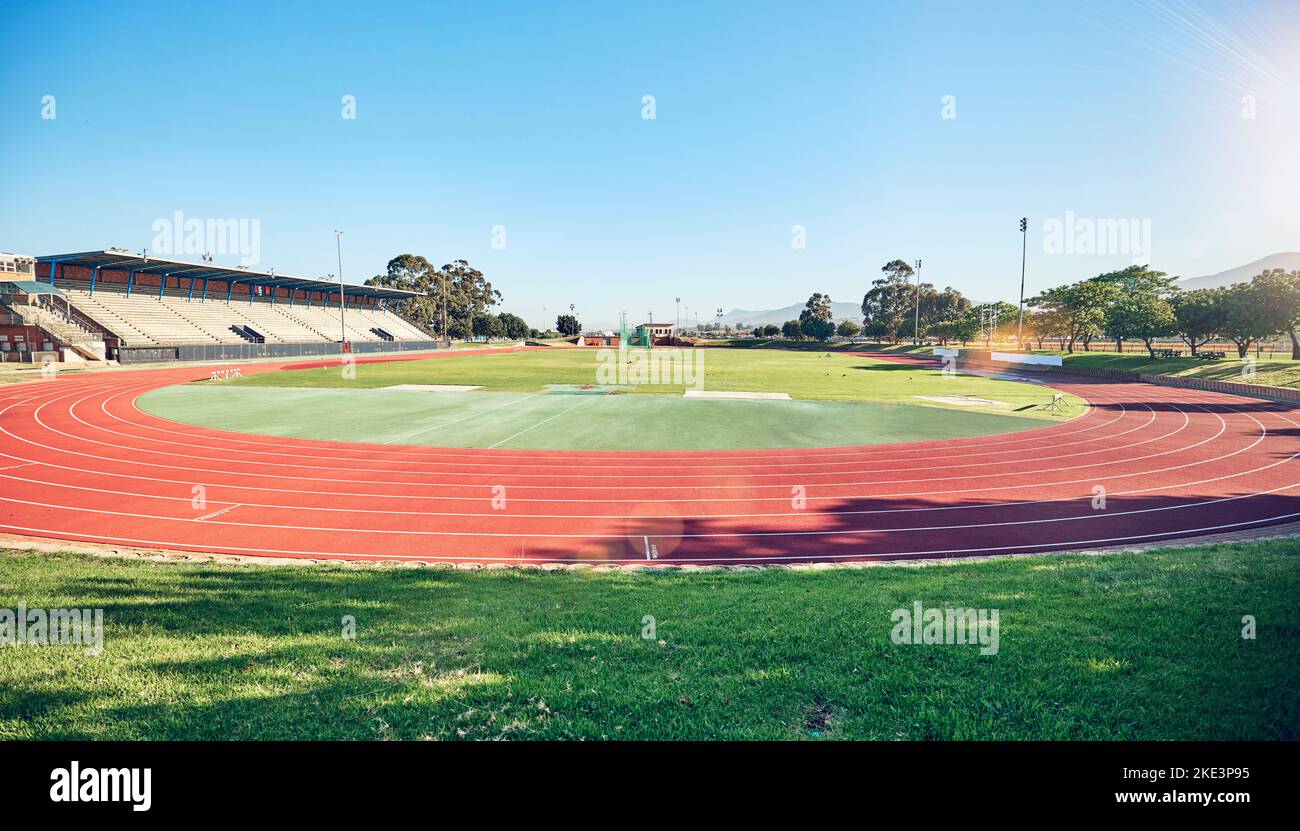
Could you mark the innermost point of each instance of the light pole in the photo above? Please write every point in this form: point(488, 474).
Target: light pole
point(343, 328)
point(1024, 250)
point(678, 324)
point(916, 323)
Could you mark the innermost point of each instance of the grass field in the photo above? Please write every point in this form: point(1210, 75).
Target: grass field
point(1126, 646)
point(525, 421)
point(838, 400)
point(821, 376)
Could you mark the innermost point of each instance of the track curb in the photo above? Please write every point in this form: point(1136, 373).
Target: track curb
point(13, 543)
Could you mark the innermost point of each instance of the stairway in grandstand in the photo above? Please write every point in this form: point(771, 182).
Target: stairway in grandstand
point(57, 324)
point(146, 318)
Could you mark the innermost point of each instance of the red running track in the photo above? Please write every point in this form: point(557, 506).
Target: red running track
point(78, 461)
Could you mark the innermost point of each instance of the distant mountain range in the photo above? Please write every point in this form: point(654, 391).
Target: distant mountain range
point(1288, 260)
point(757, 317)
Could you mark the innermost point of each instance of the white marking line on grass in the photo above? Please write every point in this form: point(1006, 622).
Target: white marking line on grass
point(543, 421)
point(218, 513)
point(466, 417)
point(772, 396)
point(962, 400)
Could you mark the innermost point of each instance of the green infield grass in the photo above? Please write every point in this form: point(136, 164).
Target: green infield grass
point(836, 400)
point(1121, 646)
point(525, 421)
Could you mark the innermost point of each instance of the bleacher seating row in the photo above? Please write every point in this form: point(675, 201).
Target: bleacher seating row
point(145, 318)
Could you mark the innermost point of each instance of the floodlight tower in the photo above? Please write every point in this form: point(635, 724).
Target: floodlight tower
point(343, 328)
point(916, 324)
point(1024, 250)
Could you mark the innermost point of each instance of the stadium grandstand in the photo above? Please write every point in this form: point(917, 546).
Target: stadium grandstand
point(113, 304)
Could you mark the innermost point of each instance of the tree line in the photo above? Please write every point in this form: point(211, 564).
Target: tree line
point(455, 301)
point(1132, 304)
point(1137, 303)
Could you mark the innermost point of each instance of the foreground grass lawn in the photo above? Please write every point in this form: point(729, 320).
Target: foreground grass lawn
point(1133, 646)
point(1270, 371)
point(813, 375)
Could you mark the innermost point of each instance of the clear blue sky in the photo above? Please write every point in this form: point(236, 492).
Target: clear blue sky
point(768, 115)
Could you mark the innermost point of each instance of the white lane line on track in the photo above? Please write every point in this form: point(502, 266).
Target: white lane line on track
point(1252, 522)
point(588, 400)
point(434, 455)
point(550, 475)
point(1263, 434)
point(719, 534)
point(773, 515)
point(1255, 419)
point(218, 513)
point(548, 487)
point(14, 467)
point(1222, 428)
point(95, 427)
point(677, 477)
point(1167, 487)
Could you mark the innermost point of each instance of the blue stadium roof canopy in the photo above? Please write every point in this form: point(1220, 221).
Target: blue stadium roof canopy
point(117, 258)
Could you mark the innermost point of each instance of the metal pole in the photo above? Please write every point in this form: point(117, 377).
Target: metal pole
point(343, 328)
point(1024, 248)
point(916, 323)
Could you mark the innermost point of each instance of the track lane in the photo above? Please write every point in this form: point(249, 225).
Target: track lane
point(88, 464)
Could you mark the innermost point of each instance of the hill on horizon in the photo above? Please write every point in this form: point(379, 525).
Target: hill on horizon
point(756, 317)
point(1288, 260)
